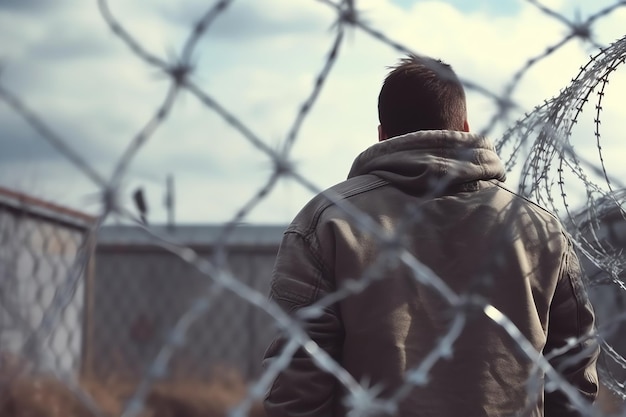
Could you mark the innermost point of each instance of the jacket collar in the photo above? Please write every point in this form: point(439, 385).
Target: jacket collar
point(431, 160)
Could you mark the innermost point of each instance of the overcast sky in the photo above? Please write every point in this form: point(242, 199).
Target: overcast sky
point(259, 61)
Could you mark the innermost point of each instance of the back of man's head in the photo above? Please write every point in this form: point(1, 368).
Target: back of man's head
point(421, 93)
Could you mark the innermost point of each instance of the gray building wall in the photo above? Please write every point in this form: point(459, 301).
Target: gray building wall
point(139, 291)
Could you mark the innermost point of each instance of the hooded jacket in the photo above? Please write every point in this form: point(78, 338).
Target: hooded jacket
point(436, 209)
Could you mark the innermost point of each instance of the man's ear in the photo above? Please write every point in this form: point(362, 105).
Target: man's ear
point(466, 126)
point(381, 134)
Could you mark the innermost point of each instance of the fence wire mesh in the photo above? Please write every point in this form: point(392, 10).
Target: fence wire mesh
point(45, 264)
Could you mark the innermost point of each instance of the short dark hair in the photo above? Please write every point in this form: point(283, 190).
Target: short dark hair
point(421, 93)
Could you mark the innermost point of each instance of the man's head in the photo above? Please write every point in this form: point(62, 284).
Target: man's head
point(421, 93)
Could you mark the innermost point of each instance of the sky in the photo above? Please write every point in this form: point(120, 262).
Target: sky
point(259, 60)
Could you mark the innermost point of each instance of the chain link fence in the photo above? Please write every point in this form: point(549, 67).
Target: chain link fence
point(144, 320)
point(38, 247)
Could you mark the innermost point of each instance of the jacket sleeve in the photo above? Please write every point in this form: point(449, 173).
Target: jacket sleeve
point(572, 317)
point(299, 279)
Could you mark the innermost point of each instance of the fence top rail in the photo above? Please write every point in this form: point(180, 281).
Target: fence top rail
point(21, 202)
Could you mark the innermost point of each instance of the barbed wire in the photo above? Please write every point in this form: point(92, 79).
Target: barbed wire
point(546, 131)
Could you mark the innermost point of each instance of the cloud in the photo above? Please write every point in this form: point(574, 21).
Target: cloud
point(259, 61)
point(493, 7)
point(250, 21)
point(57, 31)
point(19, 140)
point(28, 6)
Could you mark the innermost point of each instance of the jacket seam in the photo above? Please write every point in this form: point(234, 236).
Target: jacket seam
point(524, 198)
point(307, 235)
point(565, 275)
point(345, 195)
point(297, 299)
point(574, 286)
point(323, 269)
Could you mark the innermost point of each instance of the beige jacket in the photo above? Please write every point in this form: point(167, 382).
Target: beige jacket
point(440, 194)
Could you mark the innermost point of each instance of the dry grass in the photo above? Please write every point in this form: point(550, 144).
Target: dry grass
point(25, 395)
point(43, 396)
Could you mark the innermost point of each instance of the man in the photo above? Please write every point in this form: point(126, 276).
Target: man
point(434, 190)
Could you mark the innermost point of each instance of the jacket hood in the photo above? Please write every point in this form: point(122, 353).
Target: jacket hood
point(431, 159)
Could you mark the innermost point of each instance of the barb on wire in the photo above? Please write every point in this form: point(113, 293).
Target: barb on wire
point(127, 38)
point(201, 26)
point(232, 120)
point(549, 12)
point(383, 38)
point(578, 29)
point(604, 80)
point(605, 11)
point(181, 69)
